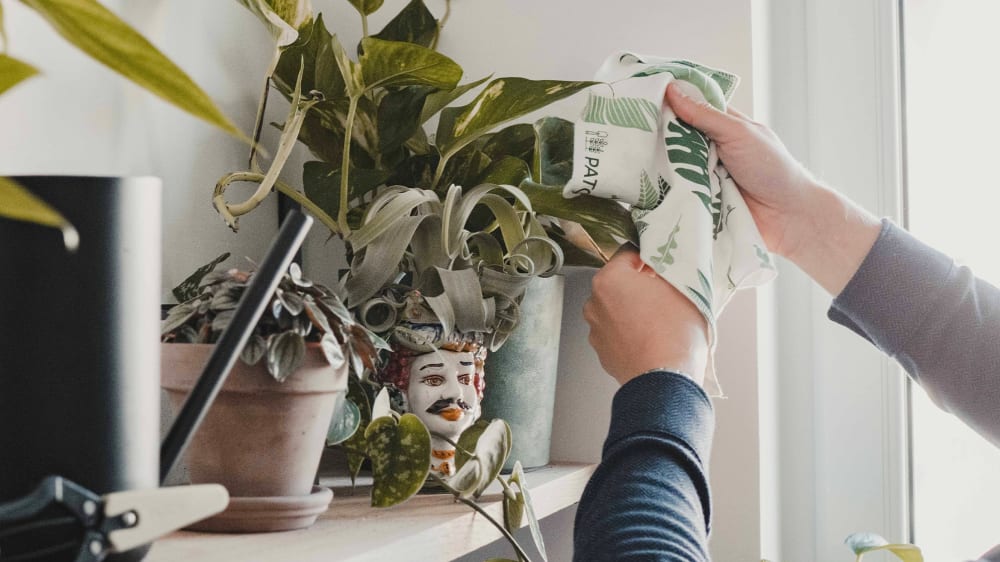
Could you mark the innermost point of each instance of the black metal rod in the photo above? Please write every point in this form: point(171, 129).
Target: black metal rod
point(252, 305)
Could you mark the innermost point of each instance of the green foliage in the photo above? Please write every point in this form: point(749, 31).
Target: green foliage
point(300, 311)
point(863, 543)
point(365, 125)
point(399, 450)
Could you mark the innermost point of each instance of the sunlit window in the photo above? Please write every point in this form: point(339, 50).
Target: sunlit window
point(952, 92)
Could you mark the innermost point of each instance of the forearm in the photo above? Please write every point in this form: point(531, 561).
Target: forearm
point(649, 497)
point(830, 237)
point(936, 318)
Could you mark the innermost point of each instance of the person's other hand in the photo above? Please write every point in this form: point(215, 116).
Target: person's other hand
point(821, 231)
point(775, 185)
point(639, 322)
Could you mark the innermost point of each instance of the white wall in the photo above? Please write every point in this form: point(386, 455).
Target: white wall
point(104, 127)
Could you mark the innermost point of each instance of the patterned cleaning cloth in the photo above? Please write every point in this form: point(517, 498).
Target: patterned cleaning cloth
point(694, 228)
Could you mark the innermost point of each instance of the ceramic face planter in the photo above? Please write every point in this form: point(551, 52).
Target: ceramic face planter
point(444, 389)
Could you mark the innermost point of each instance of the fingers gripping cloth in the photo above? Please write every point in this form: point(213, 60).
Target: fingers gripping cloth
point(695, 229)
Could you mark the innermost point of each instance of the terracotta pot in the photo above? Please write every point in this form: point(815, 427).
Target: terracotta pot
point(260, 438)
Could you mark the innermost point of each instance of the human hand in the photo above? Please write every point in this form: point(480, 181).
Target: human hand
point(776, 187)
point(639, 322)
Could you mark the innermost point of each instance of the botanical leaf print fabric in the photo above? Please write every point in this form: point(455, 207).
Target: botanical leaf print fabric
point(694, 228)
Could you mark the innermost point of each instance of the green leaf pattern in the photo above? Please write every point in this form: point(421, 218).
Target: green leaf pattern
point(635, 113)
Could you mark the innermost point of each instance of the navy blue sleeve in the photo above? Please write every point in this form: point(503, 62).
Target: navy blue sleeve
point(649, 497)
point(936, 318)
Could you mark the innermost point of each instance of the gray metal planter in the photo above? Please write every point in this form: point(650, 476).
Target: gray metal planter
point(521, 375)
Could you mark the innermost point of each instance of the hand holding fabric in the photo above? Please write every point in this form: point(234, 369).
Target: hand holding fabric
point(774, 184)
point(639, 322)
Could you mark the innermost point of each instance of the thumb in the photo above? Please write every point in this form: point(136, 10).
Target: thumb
point(699, 113)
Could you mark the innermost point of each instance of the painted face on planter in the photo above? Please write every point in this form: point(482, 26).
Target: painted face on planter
point(442, 391)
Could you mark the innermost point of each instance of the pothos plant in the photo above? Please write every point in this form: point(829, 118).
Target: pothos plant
point(102, 35)
point(420, 203)
point(399, 445)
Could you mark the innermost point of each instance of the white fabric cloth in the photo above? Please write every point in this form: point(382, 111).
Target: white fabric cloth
point(694, 227)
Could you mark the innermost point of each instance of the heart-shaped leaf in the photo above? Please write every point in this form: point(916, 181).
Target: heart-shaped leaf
point(400, 453)
point(393, 63)
point(312, 51)
point(492, 449)
point(503, 99)
point(101, 34)
point(413, 24)
point(281, 18)
point(284, 354)
point(399, 114)
point(344, 424)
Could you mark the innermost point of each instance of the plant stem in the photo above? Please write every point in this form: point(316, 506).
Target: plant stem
point(521, 554)
point(345, 168)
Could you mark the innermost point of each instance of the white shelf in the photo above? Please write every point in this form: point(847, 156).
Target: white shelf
point(426, 527)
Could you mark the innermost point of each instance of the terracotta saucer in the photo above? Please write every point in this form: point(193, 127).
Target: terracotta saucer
point(267, 514)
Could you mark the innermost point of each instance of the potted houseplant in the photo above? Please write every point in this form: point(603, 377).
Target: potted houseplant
point(264, 434)
point(407, 201)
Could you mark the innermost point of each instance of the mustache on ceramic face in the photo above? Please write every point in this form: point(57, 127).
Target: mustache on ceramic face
point(446, 404)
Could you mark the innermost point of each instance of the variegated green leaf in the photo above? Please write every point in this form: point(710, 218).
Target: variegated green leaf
point(13, 72)
point(366, 7)
point(333, 351)
point(393, 63)
point(254, 350)
point(312, 51)
point(19, 204)
point(285, 352)
point(104, 36)
point(439, 100)
point(189, 288)
point(281, 17)
point(400, 454)
point(413, 24)
point(503, 99)
point(513, 500)
point(863, 543)
point(177, 317)
point(350, 71)
point(344, 424)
